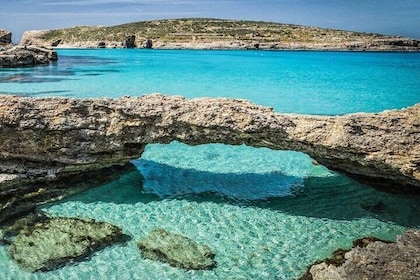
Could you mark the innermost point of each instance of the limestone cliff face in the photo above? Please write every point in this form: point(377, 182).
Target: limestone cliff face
point(50, 137)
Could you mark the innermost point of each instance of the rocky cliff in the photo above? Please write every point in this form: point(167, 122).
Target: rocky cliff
point(47, 137)
point(22, 56)
point(201, 33)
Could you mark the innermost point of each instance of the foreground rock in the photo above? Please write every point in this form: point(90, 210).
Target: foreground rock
point(59, 241)
point(176, 250)
point(377, 260)
point(22, 56)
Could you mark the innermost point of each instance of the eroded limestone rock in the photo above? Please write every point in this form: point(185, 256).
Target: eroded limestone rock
point(375, 260)
point(52, 136)
point(176, 250)
point(21, 56)
point(58, 241)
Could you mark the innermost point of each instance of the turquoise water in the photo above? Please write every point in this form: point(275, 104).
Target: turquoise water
point(298, 82)
point(266, 214)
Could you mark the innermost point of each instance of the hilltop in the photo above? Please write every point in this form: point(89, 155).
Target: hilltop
point(202, 33)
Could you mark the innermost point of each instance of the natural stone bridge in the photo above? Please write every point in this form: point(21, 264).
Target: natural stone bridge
point(45, 139)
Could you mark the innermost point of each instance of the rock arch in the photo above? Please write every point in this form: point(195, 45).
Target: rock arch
point(50, 137)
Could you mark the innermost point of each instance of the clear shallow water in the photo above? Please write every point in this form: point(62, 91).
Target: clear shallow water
point(266, 214)
point(307, 213)
point(298, 82)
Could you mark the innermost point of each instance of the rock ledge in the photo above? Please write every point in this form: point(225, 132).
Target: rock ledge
point(376, 260)
point(22, 56)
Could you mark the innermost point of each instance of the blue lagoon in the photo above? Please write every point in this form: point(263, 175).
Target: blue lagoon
point(266, 214)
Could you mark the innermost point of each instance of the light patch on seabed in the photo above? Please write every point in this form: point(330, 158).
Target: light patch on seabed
point(238, 172)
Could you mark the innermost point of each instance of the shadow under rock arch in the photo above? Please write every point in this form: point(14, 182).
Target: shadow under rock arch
point(335, 197)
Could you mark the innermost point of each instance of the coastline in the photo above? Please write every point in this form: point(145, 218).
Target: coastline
point(237, 46)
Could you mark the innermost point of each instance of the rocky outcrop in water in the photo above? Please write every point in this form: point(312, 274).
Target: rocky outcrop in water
point(58, 241)
point(176, 250)
point(22, 56)
point(375, 260)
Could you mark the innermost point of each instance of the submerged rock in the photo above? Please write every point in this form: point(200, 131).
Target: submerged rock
point(12, 229)
point(176, 250)
point(374, 259)
point(58, 241)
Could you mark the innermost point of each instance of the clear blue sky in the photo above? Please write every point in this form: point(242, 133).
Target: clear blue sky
point(393, 17)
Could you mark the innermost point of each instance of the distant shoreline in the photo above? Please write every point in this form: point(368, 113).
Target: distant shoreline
point(239, 49)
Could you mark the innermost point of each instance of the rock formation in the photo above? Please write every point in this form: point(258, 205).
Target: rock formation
point(58, 241)
point(52, 136)
point(376, 260)
point(5, 37)
point(21, 56)
point(45, 140)
point(130, 42)
point(33, 37)
point(176, 250)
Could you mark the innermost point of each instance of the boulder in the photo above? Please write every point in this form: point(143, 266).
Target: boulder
point(5, 37)
point(59, 241)
point(176, 250)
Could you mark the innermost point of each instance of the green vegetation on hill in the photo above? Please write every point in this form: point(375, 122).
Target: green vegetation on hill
point(206, 30)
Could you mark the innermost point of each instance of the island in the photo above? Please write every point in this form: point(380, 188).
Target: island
point(206, 33)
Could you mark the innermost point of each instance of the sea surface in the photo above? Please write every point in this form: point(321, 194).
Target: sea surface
point(265, 214)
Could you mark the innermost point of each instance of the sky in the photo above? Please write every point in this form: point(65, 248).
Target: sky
point(391, 17)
